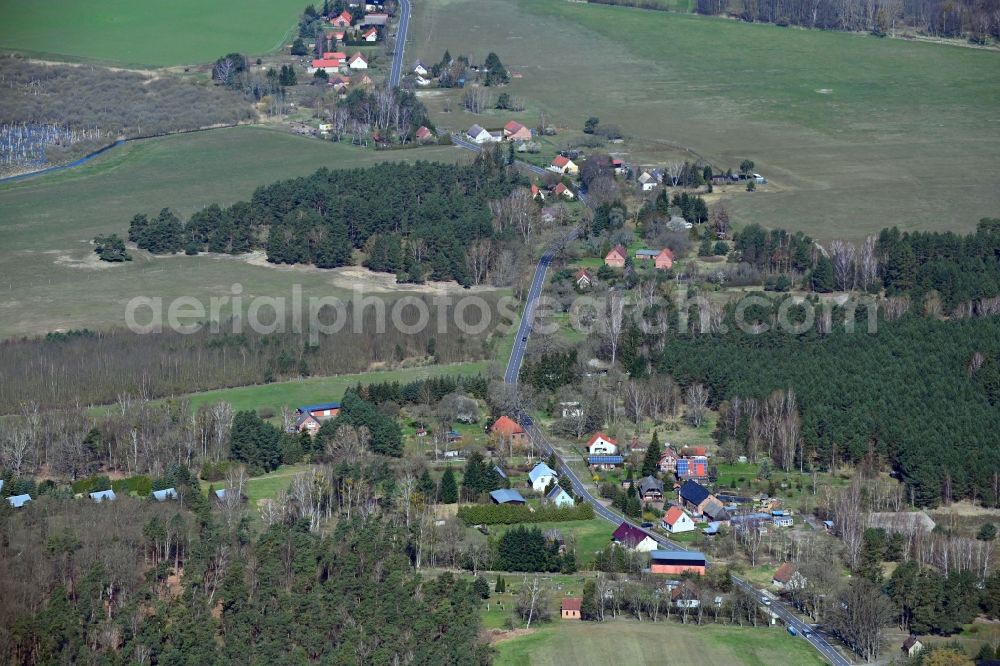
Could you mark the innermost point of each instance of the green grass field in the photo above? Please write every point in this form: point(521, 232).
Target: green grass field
point(146, 34)
point(626, 642)
point(51, 278)
point(263, 487)
point(314, 390)
point(853, 132)
point(591, 535)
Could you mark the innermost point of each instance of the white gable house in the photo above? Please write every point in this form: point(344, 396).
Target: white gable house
point(541, 476)
point(602, 445)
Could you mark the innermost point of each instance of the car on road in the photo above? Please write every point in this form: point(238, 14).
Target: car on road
point(806, 633)
point(526, 421)
point(647, 525)
point(524, 339)
point(765, 601)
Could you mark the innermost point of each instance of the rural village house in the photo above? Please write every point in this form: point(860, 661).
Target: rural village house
point(633, 538)
point(541, 476)
point(616, 257)
point(676, 520)
point(602, 445)
point(515, 131)
point(564, 165)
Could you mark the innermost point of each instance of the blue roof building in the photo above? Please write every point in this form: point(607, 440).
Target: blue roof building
point(693, 492)
point(678, 557)
point(606, 460)
point(220, 493)
point(320, 407)
point(506, 496)
point(712, 529)
point(500, 472)
point(17, 501)
point(164, 495)
point(103, 496)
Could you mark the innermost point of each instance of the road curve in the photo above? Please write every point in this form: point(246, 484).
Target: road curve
point(511, 373)
point(396, 70)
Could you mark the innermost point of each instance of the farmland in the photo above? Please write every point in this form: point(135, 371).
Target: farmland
point(146, 34)
point(52, 279)
point(566, 642)
point(831, 119)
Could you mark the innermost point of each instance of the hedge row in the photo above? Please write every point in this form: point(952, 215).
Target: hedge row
point(510, 514)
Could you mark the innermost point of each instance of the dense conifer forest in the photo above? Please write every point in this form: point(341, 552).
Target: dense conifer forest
point(920, 394)
point(415, 220)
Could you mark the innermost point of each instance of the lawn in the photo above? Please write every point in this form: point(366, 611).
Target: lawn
point(626, 642)
point(153, 33)
point(314, 390)
point(51, 279)
point(591, 535)
point(831, 119)
point(263, 487)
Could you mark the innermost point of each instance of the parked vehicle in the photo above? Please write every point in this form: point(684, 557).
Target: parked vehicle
point(792, 631)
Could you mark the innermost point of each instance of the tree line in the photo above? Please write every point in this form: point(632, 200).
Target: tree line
point(949, 273)
point(96, 367)
point(974, 19)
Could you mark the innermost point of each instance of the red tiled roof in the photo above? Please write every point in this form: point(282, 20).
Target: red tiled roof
point(326, 63)
point(506, 426)
point(572, 603)
point(513, 127)
point(784, 572)
point(601, 435)
point(666, 252)
point(370, 31)
point(358, 55)
point(423, 132)
point(560, 161)
point(582, 273)
point(674, 514)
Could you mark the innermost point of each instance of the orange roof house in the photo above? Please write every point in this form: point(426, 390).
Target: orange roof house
point(515, 131)
point(616, 258)
point(342, 21)
point(562, 191)
point(563, 164)
point(508, 429)
point(583, 279)
point(536, 193)
point(370, 35)
point(423, 134)
point(665, 259)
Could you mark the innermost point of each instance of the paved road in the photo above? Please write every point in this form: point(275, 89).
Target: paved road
point(396, 71)
point(816, 639)
point(476, 148)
